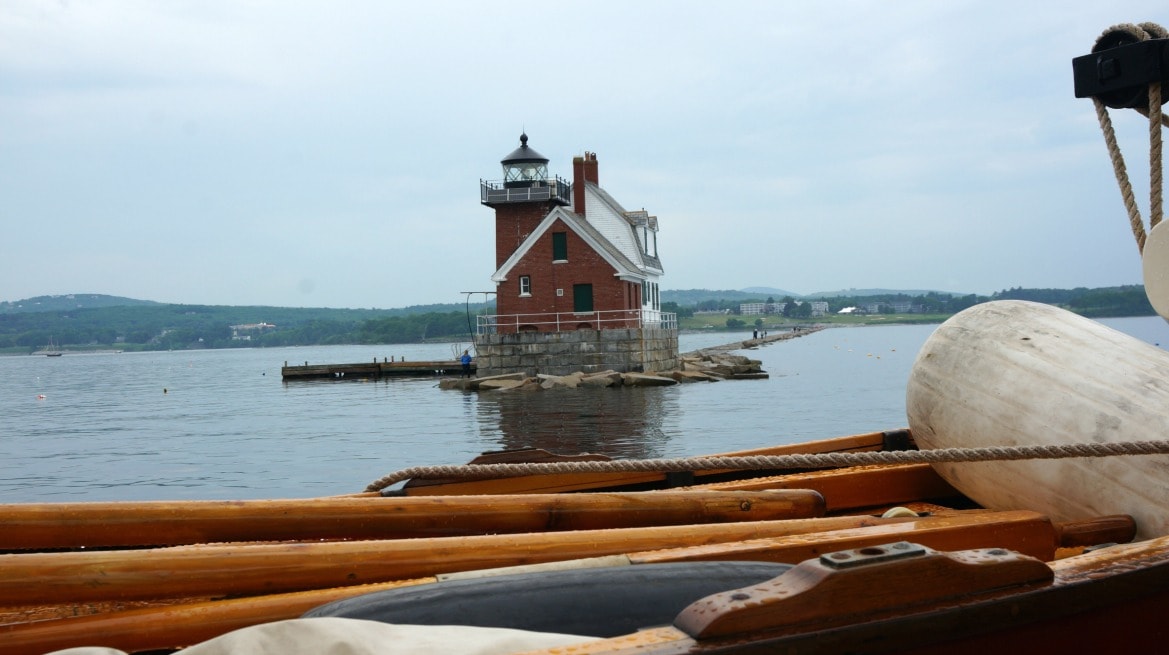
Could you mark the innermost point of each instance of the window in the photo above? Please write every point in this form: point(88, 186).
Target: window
point(525, 285)
point(559, 246)
point(650, 295)
point(582, 297)
point(525, 172)
point(649, 241)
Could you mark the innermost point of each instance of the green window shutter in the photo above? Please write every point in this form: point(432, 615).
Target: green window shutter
point(559, 246)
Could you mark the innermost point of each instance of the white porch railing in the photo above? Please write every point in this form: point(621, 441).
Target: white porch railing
point(612, 319)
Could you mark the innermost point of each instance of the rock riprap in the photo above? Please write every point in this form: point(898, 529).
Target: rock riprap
point(699, 366)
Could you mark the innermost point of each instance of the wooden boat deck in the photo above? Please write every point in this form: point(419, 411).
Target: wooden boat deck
point(157, 575)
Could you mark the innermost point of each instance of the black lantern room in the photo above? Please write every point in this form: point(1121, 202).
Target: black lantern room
point(524, 167)
point(525, 179)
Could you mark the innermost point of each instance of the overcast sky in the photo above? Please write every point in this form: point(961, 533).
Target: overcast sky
point(328, 154)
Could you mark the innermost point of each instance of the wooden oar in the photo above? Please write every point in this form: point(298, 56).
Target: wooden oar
point(561, 482)
point(1025, 532)
point(169, 626)
point(173, 626)
point(854, 488)
point(88, 525)
point(235, 569)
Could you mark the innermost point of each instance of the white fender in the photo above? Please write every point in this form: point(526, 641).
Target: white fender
point(1010, 373)
point(1155, 268)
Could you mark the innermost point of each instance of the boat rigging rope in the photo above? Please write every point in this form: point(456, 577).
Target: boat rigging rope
point(775, 462)
point(1141, 32)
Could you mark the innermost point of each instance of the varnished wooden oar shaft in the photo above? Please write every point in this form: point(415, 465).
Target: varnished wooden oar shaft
point(233, 569)
point(1105, 529)
point(1025, 532)
point(175, 626)
point(166, 523)
point(853, 488)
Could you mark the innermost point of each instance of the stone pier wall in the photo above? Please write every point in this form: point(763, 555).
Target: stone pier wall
point(590, 351)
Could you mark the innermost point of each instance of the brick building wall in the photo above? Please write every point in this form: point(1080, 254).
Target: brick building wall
point(513, 223)
point(583, 266)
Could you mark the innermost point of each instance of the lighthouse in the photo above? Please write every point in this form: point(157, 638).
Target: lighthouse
point(577, 275)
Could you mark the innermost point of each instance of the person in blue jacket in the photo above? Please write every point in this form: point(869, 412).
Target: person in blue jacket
point(465, 360)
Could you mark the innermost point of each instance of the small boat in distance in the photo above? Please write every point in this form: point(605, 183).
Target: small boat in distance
point(50, 350)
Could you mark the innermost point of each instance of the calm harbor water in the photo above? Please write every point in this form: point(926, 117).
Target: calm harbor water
point(221, 424)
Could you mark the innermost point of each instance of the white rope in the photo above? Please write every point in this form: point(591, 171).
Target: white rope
point(1155, 170)
point(773, 462)
point(1157, 119)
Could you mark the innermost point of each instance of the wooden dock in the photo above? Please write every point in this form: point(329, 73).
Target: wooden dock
point(372, 370)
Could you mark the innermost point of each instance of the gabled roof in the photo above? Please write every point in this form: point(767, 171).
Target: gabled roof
point(612, 220)
point(614, 256)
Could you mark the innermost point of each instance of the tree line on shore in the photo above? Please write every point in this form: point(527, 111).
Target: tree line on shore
point(157, 326)
point(1100, 302)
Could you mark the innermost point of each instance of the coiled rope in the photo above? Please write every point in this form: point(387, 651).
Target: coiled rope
point(775, 462)
point(1114, 35)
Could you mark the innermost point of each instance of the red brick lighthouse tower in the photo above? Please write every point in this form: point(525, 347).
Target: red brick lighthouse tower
point(525, 196)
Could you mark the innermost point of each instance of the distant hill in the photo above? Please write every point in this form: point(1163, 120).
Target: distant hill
point(83, 322)
point(74, 301)
point(94, 321)
point(475, 307)
point(69, 302)
point(777, 293)
point(691, 297)
point(684, 298)
point(879, 292)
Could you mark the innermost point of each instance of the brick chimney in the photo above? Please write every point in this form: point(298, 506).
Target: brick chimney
point(584, 169)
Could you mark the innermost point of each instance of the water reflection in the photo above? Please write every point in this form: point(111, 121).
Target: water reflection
point(620, 423)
